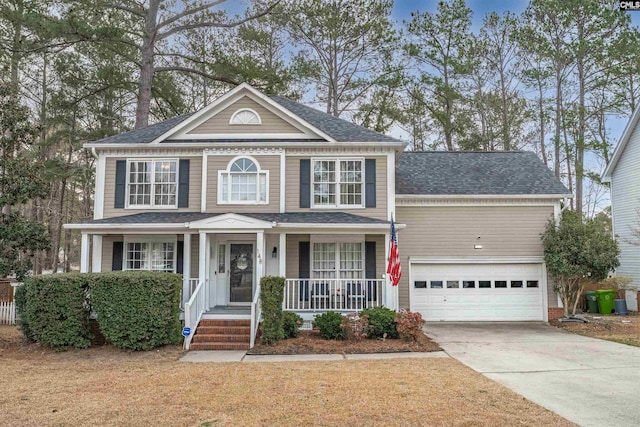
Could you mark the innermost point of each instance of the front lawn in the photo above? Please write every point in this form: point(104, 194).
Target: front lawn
point(621, 329)
point(106, 386)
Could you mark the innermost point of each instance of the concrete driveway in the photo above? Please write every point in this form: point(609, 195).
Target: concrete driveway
point(588, 381)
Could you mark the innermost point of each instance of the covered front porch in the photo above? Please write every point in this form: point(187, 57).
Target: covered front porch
point(328, 266)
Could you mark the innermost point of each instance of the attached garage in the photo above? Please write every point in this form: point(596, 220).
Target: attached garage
point(478, 291)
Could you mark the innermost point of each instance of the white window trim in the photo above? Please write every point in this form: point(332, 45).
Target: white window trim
point(251, 110)
point(337, 204)
point(149, 240)
point(127, 205)
point(344, 239)
point(227, 171)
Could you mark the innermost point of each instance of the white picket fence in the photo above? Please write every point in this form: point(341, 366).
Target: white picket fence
point(7, 313)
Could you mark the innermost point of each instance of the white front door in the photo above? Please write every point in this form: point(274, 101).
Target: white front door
point(477, 292)
point(221, 274)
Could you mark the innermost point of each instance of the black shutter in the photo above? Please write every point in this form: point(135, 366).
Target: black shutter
point(305, 183)
point(370, 183)
point(370, 260)
point(116, 259)
point(121, 182)
point(303, 269)
point(183, 184)
point(370, 270)
point(180, 256)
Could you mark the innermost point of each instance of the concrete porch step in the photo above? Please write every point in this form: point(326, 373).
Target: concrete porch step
point(198, 346)
point(225, 338)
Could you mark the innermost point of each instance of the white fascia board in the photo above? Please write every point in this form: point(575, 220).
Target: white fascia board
point(338, 226)
point(477, 260)
point(115, 226)
point(624, 140)
point(264, 142)
point(481, 196)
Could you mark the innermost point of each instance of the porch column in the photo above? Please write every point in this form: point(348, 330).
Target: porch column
point(388, 292)
point(202, 256)
point(96, 255)
point(186, 267)
point(282, 251)
point(261, 255)
point(84, 253)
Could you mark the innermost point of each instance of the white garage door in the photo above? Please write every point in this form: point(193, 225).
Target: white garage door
point(477, 292)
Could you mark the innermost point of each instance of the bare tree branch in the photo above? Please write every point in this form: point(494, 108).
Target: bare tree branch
point(233, 24)
point(200, 73)
point(189, 12)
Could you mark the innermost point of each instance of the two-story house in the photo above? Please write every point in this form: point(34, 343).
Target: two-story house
point(256, 185)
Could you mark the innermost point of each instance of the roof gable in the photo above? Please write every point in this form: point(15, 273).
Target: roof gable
point(622, 144)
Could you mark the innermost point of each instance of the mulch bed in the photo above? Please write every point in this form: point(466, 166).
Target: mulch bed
point(309, 342)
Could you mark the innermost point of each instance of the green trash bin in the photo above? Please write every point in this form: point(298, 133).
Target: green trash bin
point(592, 302)
point(606, 299)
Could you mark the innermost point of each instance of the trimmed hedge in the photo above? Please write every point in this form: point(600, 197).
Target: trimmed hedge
point(54, 310)
point(271, 296)
point(135, 310)
point(138, 310)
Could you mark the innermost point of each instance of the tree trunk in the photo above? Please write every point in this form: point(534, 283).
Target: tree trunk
point(543, 149)
point(147, 65)
point(556, 162)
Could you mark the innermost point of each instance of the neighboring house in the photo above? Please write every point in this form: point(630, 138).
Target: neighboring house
point(623, 173)
point(256, 185)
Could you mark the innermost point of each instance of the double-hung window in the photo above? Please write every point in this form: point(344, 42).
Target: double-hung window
point(343, 260)
point(338, 183)
point(243, 183)
point(150, 255)
point(152, 183)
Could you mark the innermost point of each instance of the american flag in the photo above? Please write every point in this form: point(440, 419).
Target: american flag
point(394, 270)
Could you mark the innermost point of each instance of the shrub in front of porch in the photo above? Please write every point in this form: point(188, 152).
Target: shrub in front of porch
point(329, 325)
point(291, 323)
point(271, 296)
point(409, 325)
point(381, 322)
point(54, 309)
point(138, 310)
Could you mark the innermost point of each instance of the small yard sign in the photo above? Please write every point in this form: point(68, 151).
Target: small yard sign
point(186, 331)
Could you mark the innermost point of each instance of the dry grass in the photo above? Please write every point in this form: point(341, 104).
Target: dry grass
point(41, 387)
point(622, 329)
point(310, 342)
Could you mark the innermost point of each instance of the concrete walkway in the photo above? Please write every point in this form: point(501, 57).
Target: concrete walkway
point(588, 381)
point(242, 356)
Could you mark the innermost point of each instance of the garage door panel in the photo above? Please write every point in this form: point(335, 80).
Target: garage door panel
point(478, 304)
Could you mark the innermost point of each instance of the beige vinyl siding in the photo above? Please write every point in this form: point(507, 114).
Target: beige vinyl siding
point(219, 163)
point(625, 201)
point(292, 200)
point(381, 266)
point(195, 186)
point(504, 231)
point(292, 254)
point(107, 250)
point(271, 123)
point(195, 256)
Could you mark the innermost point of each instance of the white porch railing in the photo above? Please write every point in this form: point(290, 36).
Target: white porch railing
point(7, 313)
point(256, 313)
point(194, 309)
point(193, 283)
point(333, 294)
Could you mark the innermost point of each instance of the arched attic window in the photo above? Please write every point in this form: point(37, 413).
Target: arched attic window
point(243, 182)
point(245, 116)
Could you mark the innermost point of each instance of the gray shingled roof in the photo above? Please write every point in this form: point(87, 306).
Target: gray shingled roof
point(145, 134)
point(470, 173)
point(339, 129)
point(287, 217)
